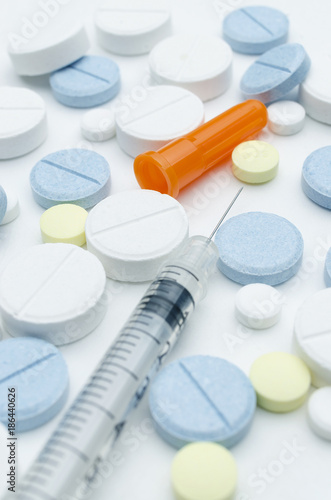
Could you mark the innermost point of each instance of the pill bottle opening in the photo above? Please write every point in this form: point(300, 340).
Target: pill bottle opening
point(151, 175)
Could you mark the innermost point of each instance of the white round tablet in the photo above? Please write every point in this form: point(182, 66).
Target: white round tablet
point(168, 112)
point(13, 207)
point(286, 117)
point(134, 232)
point(53, 291)
point(23, 123)
point(98, 125)
point(258, 306)
point(312, 336)
point(315, 91)
point(131, 27)
point(199, 63)
point(319, 412)
point(47, 49)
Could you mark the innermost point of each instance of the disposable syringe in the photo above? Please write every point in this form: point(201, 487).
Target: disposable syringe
point(91, 425)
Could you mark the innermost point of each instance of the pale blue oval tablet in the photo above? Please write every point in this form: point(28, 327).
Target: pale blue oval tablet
point(259, 247)
point(38, 373)
point(70, 176)
point(202, 398)
point(88, 82)
point(274, 74)
point(255, 29)
point(316, 177)
point(327, 269)
point(3, 203)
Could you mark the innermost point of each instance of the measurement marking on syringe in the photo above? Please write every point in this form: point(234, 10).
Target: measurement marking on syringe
point(113, 355)
point(122, 349)
point(122, 368)
point(101, 408)
point(82, 410)
point(186, 270)
point(37, 491)
point(126, 342)
point(51, 451)
point(51, 462)
point(61, 444)
point(97, 386)
point(130, 335)
point(66, 435)
point(36, 479)
point(91, 394)
point(74, 417)
point(142, 331)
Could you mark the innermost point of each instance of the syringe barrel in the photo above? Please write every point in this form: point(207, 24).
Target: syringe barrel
point(183, 160)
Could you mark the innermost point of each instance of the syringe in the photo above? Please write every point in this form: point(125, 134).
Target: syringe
point(86, 433)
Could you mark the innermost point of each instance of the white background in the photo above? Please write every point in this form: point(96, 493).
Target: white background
point(145, 460)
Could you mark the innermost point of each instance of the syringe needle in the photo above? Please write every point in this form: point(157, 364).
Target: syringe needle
point(225, 214)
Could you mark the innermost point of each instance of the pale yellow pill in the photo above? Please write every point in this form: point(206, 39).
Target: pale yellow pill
point(64, 224)
point(255, 162)
point(204, 471)
point(281, 381)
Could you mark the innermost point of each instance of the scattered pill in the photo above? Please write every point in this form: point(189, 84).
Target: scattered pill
point(204, 471)
point(23, 123)
point(132, 27)
point(151, 124)
point(316, 177)
point(13, 207)
point(259, 247)
point(201, 64)
point(56, 46)
point(255, 29)
point(3, 204)
point(286, 117)
point(54, 292)
point(327, 269)
point(255, 162)
point(202, 398)
point(319, 412)
point(39, 375)
point(274, 74)
point(134, 232)
point(315, 91)
point(64, 224)
point(88, 82)
point(98, 125)
point(281, 381)
point(312, 336)
point(258, 306)
point(70, 176)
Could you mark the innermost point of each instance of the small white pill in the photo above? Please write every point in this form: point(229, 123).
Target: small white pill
point(39, 51)
point(312, 336)
point(53, 291)
point(286, 117)
point(315, 91)
point(13, 207)
point(134, 232)
point(98, 125)
point(319, 412)
point(258, 306)
point(167, 112)
point(23, 123)
point(199, 63)
point(131, 27)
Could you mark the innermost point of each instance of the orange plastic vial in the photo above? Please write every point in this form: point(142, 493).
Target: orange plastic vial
point(183, 160)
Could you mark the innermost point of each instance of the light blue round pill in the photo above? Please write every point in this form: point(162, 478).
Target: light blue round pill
point(274, 74)
point(70, 176)
point(255, 29)
point(202, 398)
point(37, 372)
point(88, 82)
point(316, 177)
point(258, 247)
point(327, 269)
point(3, 203)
